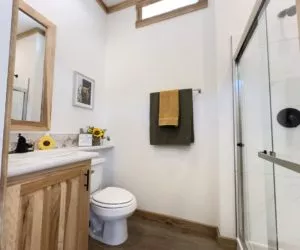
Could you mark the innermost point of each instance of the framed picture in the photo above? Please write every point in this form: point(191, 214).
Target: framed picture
point(84, 88)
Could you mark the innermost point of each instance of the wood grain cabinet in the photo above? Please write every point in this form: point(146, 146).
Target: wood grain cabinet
point(48, 210)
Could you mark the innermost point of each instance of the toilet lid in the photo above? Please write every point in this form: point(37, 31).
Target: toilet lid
point(112, 196)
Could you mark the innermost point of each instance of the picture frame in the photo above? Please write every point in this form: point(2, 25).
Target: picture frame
point(83, 91)
point(85, 140)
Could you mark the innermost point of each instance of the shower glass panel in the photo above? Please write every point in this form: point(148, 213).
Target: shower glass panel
point(267, 98)
point(258, 197)
point(284, 57)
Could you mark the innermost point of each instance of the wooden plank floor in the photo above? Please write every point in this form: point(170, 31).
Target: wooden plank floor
point(147, 235)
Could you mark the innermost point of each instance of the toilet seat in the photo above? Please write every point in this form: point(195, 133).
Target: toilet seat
point(112, 198)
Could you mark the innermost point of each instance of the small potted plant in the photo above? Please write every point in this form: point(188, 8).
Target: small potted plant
point(98, 135)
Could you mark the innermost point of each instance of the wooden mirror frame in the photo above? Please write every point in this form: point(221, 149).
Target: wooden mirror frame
point(50, 35)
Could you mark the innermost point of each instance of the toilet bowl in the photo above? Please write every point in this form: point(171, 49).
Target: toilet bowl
point(110, 208)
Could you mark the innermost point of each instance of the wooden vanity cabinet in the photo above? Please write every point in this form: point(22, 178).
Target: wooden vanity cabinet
point(48, 210)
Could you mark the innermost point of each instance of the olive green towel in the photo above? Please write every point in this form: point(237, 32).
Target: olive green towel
point(170, 135)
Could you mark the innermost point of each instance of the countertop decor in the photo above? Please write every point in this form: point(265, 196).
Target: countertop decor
point(62, 141)
point(98, 135)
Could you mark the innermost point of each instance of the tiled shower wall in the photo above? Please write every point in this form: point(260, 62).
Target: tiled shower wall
point(284, 50)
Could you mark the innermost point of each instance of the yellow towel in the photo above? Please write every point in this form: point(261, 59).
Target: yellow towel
point(169, 108)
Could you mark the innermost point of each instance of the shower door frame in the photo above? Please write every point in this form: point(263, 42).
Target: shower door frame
point(258, 10)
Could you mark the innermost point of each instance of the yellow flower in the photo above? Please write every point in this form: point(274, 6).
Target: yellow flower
point(46, 142)
point(97, 132)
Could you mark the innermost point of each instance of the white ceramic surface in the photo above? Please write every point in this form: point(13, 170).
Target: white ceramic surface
point(113, 196)
point(114, 221)
point(97, 174)
point(19, 164)
point(112, 206)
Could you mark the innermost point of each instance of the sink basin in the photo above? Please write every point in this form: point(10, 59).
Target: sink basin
point(19, 164)
point(39, 156)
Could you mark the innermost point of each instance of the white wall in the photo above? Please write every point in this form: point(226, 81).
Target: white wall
point(229, 22)
point(180, 53)
point(5, 25)
point(80, 46)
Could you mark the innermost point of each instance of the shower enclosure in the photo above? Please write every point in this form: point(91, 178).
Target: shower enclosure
point(267, 126)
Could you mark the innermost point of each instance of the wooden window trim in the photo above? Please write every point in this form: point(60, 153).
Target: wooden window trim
point(202, 4)
point(102, 5)
point(123, 5)
point(117, 7)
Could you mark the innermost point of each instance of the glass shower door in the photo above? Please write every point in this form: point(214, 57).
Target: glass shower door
point(258, 197)
point(284, 60)
point(268, 129)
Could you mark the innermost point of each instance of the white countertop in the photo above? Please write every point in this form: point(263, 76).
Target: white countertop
point(94, 148)
point(19, 164)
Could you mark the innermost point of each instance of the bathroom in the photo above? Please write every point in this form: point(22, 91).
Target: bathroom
point(187, 197)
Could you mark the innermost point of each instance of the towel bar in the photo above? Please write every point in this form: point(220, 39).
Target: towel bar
point(198, 90)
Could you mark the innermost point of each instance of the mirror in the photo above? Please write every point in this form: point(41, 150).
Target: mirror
point(29, 70)
point(33, 67)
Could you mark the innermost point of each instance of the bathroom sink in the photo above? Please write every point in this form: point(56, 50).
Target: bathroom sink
point(38, 156)
point(40, 160)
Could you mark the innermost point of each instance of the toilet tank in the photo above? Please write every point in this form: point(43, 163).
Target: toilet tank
point(96, 174)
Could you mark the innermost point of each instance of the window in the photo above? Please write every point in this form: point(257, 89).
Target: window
point(153, 11)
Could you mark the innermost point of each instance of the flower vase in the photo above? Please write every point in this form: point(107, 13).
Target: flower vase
point(96, 141)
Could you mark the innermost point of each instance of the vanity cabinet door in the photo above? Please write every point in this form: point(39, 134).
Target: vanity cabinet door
point(50, 213)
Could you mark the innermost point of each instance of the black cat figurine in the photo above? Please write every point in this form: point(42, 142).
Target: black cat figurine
point(23, 146)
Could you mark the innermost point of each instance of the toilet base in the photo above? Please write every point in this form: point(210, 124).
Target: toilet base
point(113, 233)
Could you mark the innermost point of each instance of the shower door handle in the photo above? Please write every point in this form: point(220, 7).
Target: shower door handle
point(280, 162)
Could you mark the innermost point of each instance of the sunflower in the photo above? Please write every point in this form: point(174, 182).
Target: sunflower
point(97, 132)
point(46, 142)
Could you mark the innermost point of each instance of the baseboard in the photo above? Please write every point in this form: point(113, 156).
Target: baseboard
point(226, 243)
point(185, 226)
point(259, 246)
point(188, 227)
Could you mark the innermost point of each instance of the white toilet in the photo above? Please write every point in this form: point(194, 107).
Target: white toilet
point(110, 209)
